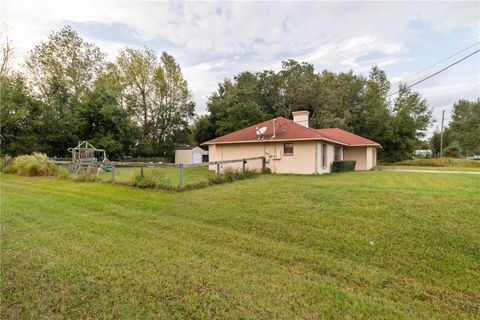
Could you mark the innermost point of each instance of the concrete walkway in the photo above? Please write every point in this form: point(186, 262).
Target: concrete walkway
point(431, 171)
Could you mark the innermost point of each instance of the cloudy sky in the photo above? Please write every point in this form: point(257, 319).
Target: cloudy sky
point(215, 40)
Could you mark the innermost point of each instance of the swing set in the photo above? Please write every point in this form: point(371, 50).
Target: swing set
point(86, 158)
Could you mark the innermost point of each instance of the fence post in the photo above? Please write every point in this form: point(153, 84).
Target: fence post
point(141, 172)
point(244, 163)
point(113, 174)
point(180, 177)
point(263, 164)
point(218, 168)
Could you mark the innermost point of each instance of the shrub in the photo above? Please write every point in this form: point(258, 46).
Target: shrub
point(4, 161)
point(62, 172)
point(158, 180)
point(151, 179)
point(266, 171)
point(441, 162)
point(86, 176)
point(343, 166)
point(32, 165)
point(230, 175)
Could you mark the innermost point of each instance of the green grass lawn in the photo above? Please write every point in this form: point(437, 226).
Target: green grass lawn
point(356, 245)
point(169, 175)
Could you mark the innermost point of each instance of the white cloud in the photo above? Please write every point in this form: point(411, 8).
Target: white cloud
point(213, 40)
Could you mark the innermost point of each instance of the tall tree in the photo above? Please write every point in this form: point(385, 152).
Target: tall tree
point(409, 121)
point(63, 68)
point(156, 94)
point(61, 71)
point(136, 70)
point(174, 108)
point(295, 88)
point(105, 124)
point(235, 105)
point(21, 118)
point(345, 100)
point(465, 126)
point(6, 53)
point(202, 129)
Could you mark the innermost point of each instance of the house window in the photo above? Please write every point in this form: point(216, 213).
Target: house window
point(338, 153)
point(324, 155)
point(288, 149)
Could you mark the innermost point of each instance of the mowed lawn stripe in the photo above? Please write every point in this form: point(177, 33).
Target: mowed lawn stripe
point(307, 242)
point(197, 248)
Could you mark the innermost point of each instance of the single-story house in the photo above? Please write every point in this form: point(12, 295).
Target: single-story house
point(293, 147)
point(189, 155)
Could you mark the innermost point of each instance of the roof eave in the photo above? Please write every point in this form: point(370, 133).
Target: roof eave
point(377, 145)
point(274, 140)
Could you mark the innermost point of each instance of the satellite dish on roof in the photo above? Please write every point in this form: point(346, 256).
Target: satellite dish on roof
point(261, 131)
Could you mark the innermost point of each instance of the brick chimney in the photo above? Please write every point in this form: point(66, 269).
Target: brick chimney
point(301, 117)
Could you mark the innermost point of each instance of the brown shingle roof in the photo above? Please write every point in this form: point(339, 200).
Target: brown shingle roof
point(287, 130)
point(349, 138)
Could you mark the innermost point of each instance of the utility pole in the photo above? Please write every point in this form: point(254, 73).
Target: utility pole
point(441, 136)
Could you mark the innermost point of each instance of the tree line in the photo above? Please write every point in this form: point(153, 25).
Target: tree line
point(140, 105)
point(462, 135)
point(352, 102)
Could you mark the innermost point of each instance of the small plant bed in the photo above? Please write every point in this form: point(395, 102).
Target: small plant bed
point(161, 179)
point(167, 175)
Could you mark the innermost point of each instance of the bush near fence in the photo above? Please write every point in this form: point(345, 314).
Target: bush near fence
point(343, 166)
point(157, 180)
point(36, 164)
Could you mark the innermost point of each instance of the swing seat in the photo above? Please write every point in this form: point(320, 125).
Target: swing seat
point(106, 168)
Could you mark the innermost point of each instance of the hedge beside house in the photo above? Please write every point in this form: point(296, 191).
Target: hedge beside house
point(343, 166)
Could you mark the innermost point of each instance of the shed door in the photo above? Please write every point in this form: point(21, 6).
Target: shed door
point(197, 158)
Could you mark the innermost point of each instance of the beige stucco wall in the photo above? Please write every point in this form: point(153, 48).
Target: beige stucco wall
point(369, 158)
point(301, 162)
point(183, 156)
point(306, 158)
point(359, 154)
point(188, 156)
point(366, 157)
point(236, 151)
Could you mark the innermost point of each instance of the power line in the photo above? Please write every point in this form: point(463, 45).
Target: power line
point(436, 63)
point(434, 74)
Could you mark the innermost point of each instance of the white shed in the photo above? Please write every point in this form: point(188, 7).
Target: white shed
point(190, 155)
